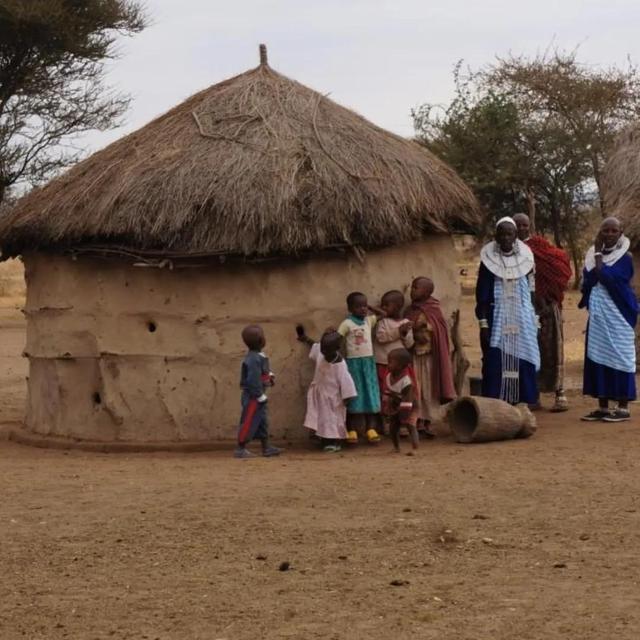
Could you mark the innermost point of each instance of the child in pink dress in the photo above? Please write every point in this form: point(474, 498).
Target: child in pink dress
point(331, 388)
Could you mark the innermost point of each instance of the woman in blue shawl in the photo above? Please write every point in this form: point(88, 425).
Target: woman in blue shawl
point(508, 324)
point(610, 355)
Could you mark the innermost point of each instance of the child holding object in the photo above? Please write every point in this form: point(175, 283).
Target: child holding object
point(391, 332)
point(399, 397)
point(255, 377)
point(331, 388)
point(356, 329)
point(431, 353)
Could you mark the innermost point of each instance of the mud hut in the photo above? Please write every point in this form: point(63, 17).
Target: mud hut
point(255, 200)
point(621, 189)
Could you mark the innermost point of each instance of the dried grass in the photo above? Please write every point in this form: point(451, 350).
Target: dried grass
point(256, 165)
point(621, 183)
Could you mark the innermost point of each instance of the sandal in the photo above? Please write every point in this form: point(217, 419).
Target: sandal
point(372, 436)
point(561, 404)
point(332, 448)
point(352, 437)
point(425, 432)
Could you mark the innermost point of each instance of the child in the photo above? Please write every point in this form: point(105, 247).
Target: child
point(431, 354)
point(255, 376)
point(391, 332)
point(399, 402)
point(356, 329)
point(331, 388)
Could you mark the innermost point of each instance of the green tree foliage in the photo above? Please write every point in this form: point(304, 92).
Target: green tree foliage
point(533, 135)
point(593, 105)
point(52, 55)
point(479, 134)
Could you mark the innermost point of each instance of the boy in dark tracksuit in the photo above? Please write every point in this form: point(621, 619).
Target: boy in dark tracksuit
point(255, 376)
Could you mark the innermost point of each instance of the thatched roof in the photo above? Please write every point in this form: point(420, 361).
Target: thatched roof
point(621, 183)
point(256, 165)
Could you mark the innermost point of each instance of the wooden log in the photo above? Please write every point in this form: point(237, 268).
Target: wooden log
point(475, 419)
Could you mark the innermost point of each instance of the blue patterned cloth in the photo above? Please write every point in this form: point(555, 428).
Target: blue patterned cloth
point(527, 343)
point(611, 339)
point(610, 358)
point(492, 383)
point(365, 377)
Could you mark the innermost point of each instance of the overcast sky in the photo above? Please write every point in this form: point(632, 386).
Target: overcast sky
point(379, 57)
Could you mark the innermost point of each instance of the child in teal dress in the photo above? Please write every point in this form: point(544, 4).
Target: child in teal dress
point(357, 329)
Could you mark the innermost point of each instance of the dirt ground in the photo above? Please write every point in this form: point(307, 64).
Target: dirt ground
point(534, 539)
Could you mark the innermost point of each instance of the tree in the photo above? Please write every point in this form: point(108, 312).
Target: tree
point(478, 135)
point(593, 105)
point(533, 135)
point(52, 55)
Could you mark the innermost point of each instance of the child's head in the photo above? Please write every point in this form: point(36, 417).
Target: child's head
point(330, 344)
point(253, 337)
point(398, 360)
point(357, 304)
point(421, 289)
point(392, 303)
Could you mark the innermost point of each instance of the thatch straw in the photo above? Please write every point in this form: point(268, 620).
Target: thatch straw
point(256, 165)
point(621, 183)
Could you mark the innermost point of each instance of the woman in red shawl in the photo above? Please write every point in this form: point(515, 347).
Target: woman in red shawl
point(552, 275)
point(431, 354)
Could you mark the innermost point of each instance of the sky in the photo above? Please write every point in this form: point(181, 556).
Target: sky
point(379, 57)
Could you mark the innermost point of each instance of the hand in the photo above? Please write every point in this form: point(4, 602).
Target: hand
point(272, 378)
point(404, 329)
point(598, 243)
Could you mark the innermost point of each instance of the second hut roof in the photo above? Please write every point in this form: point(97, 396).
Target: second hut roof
point(255, 165)
point(621, 183)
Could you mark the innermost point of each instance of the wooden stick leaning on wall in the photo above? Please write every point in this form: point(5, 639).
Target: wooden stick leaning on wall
point(459, 360)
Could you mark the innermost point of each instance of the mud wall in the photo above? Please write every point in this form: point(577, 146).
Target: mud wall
point(131, 354)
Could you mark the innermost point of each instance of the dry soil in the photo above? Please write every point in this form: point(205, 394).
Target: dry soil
point(535, 539)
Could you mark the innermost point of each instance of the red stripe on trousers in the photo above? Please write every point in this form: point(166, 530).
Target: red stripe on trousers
point(246, 425)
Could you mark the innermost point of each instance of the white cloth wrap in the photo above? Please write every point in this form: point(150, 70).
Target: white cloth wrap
point(520, 263)
point(621, 249)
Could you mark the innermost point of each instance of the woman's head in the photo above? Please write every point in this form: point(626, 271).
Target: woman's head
point(610, 232)
point(392, 303)
point(398, 360)
point(330, 345)
point(357, 304)
point(523, 225)
point(506, 233)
